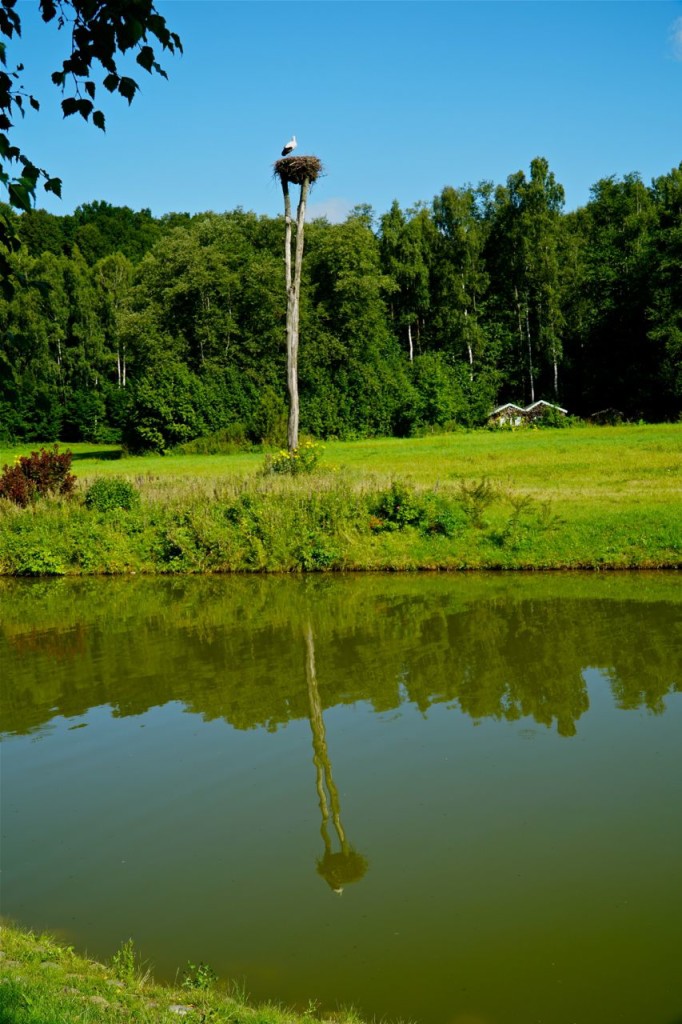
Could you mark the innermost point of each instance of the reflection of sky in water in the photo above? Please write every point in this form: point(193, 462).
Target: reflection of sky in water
point(514, 873)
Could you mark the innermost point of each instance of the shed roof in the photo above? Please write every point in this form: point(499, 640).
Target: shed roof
point(507, 405)
point(549, 405)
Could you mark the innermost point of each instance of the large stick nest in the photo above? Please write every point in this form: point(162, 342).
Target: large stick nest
point(295, 169)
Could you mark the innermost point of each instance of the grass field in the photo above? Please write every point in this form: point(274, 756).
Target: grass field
point(581, 497)
point(639, 463)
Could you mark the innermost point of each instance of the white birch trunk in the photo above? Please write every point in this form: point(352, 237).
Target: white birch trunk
point(555, 364)
point(470, 351)
point(529, 344)
point(293, 281)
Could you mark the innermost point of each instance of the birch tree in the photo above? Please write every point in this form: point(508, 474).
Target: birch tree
point(301, 171)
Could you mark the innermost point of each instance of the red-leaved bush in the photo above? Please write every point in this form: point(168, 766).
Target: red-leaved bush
point(37, 475)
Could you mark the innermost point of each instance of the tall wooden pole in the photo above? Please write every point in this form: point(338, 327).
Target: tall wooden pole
point(302, 171)
point(293, 285)
point(292, 329)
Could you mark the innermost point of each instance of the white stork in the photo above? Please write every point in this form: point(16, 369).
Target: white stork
point(291, 144)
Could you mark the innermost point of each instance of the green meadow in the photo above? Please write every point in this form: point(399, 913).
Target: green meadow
point(582, 497)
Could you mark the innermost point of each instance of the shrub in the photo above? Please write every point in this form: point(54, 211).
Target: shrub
point(475, 498)
point(199, 977)
point(442, 516)
point(114, 492)
point(268, 418)
point(551, 417)
point(396, 508)
point(166, 410)
point(303, 459)
point(124, 961)
point(37, 475)
point(227, 441)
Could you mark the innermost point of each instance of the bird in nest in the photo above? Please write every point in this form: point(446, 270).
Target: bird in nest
point(291, 145)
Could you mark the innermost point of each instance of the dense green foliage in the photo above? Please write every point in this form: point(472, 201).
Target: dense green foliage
point(111, 492)
point(160, 331)
point(96, 36)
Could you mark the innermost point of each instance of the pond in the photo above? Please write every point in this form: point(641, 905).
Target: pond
point(449, 799)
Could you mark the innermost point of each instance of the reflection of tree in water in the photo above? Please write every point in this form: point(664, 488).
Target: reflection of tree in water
point(346, 865)
point(499, 647)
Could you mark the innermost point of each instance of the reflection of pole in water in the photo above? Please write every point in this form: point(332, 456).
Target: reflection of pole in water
point(346, 866)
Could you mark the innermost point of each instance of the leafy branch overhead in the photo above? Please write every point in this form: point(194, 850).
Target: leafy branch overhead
point(98, 32)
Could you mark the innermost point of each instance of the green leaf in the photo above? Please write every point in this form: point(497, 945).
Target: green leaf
point(20, 195)
point(54, 185)
point(84, 108)
point(135, 30)
point(145, 58)
point(127, 88)
point(7, 151)
point(47, 10)
point(31, 173)
point(157, 24)
point(6, 284)
point(70, 106)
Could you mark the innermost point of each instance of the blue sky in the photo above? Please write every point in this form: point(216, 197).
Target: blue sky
point(398, 99)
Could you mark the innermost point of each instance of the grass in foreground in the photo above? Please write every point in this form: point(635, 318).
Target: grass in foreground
point(44, 982)
point(583, 498)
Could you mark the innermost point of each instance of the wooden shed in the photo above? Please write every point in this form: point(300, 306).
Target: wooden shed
point(508, 415)
point(511, 415)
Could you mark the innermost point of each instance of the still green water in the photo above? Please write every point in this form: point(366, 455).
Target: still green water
point(456, 800)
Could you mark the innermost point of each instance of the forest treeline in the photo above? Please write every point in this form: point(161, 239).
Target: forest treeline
point(155, 331)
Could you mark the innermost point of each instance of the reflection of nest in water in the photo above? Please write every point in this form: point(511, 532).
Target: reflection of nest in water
point(339, 869)
point(295, 169)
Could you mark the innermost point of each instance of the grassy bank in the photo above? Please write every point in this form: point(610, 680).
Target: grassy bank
point(580, 498)
point(45, 982)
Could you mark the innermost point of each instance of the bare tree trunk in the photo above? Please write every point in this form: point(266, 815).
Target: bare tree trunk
point(323, 767)
point(293, 285)
point(292, 347)
point(470, 351)
point(409, 341)
point(556, 373)
point(287, 239)
point(531, 378)
point(518, 317)
point(528, 340)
